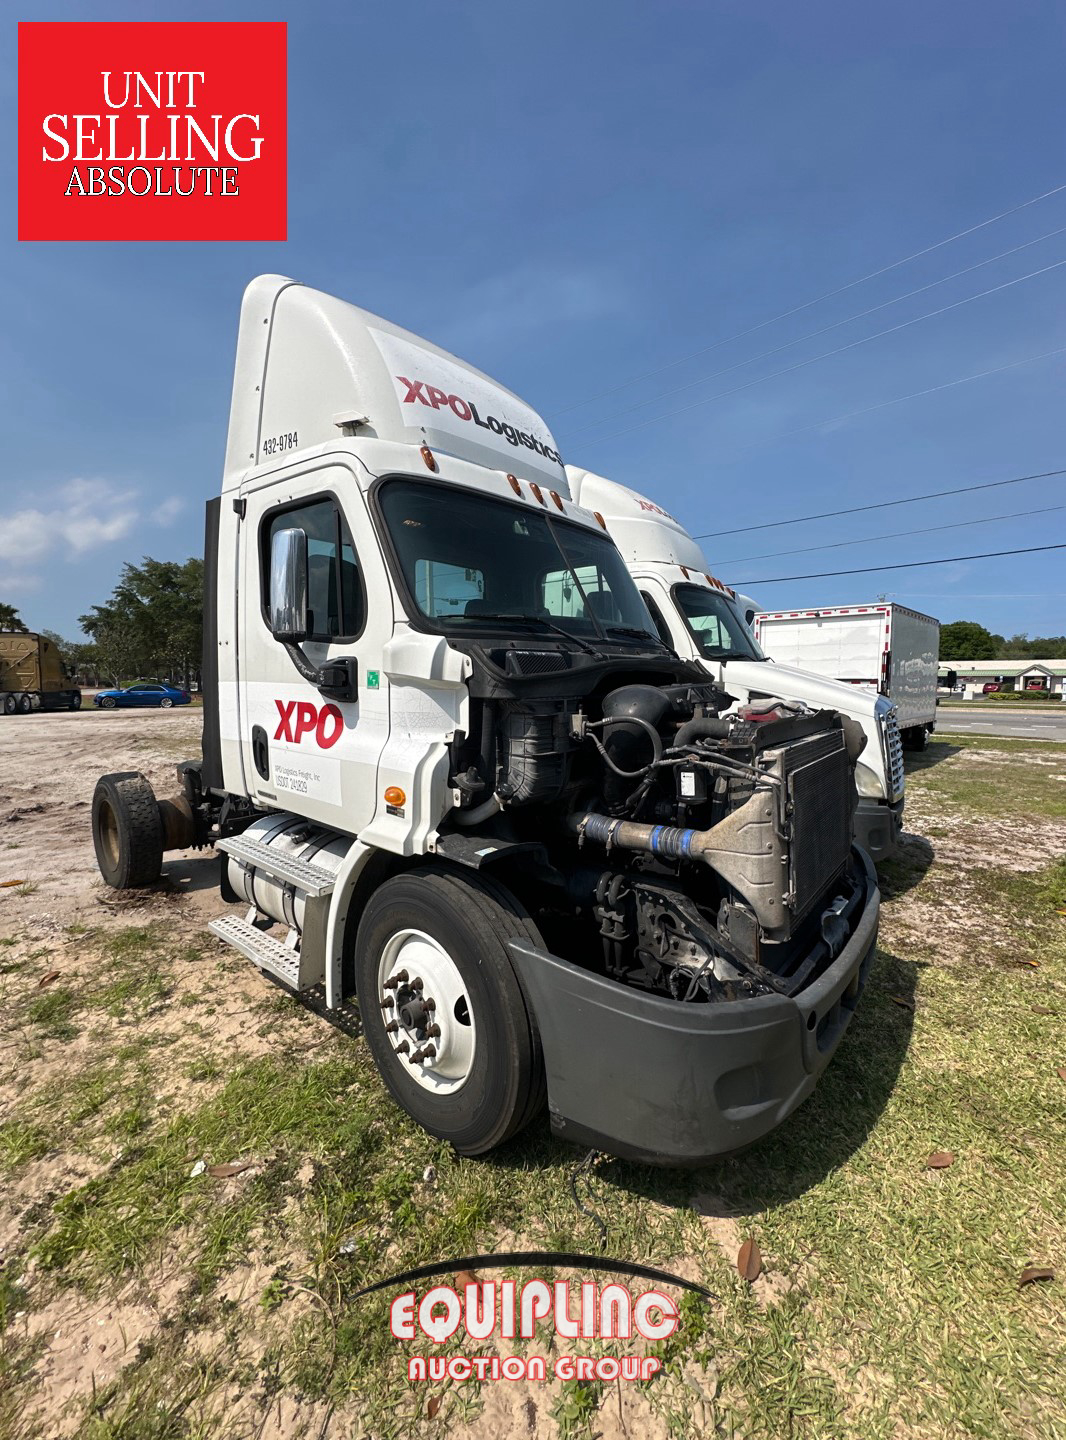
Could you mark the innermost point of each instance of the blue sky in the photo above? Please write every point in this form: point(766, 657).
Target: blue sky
point(572, 196)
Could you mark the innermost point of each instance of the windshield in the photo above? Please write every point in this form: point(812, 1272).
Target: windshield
point(471, 561)
point(716, 627)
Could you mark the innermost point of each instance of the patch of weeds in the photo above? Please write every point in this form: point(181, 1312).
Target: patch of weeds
point(578, 1401)
point(28, 887)
point(22, 1141)
point(52, 1011)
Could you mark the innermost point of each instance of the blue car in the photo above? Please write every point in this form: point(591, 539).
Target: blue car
point(148, 694)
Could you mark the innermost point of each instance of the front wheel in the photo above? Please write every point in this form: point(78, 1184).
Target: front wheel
point(127, 831)
point(107, 702)
point(442, 1009)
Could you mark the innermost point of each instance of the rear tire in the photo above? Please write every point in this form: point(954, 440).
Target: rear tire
point(127, 831)
point(166, 703)
point(486, 1080)
point(916, 737)
point(75, 700)
point(10, 704)
point(25, 704)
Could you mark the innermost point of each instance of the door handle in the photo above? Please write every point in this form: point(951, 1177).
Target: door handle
point(261, 751)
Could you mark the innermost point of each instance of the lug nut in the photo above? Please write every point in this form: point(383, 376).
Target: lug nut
point(402, 1048)
point(416, 983)
point(429, 1003)
point(388, 1003)
point(393, 981)
point(392, 1027)
point(433, 1030)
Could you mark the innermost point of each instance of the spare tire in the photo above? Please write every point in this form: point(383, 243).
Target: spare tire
point(127, 831)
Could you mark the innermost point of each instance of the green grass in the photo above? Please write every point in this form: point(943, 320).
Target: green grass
point(891, 1307)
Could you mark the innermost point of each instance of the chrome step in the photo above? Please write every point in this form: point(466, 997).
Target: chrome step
point(308, 879)
point(262, 950)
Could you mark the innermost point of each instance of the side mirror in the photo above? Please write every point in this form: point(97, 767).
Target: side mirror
point(288, 585)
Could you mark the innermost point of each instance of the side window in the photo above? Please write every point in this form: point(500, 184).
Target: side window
point(334, 586)
point(660, 623)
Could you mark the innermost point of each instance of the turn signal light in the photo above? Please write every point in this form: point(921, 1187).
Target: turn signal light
point(395, 796)
point(428, 457)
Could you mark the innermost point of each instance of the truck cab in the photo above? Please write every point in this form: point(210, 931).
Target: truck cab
point(456, 777)
point(706, 621)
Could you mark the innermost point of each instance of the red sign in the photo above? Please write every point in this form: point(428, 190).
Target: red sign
point(151, 131)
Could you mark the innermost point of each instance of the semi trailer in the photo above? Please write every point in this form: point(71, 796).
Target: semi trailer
point(882, 648)
point(707, 622)
point(33, 675)
point(551, 861)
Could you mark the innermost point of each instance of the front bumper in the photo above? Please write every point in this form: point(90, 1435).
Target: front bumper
point(878, 826)
point(651, 1079)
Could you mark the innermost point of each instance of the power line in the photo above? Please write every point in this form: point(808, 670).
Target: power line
point(836, 325)
point(807, 304)
point(896, 400)
point(881, 504)
point(902, 565)
point(828, 354)
point(892, 535)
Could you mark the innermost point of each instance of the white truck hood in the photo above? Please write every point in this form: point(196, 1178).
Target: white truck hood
point(792, 684)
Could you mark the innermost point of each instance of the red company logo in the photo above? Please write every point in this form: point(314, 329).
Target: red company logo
point(151, 131)
point(300, 718)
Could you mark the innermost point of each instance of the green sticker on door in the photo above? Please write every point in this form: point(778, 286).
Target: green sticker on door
point(373, 680)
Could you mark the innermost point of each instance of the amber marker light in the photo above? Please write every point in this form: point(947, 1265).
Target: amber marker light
point(395, 796)
point(600, 520)
point(538, 493)
point(512, 480)
point(557, 498)
point(428, 457)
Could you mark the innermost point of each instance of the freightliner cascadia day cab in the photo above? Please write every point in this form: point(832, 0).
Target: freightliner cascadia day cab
point(33, 676)
point(705, 621)
point(881, 648)
point(520, 832)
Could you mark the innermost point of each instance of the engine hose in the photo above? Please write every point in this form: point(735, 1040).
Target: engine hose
point(709, 727)
point(479, 812)
point(624, 774)
point(668, 842)
point(656, 739)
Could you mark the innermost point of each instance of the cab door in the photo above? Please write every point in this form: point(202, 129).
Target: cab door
point(303, 751)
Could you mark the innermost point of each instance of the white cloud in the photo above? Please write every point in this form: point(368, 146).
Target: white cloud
point(166, 511)
point(81, 516)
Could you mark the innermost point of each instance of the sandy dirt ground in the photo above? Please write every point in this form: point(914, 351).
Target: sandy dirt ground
point(49, 766)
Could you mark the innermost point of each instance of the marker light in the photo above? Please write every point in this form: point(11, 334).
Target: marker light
point(395, 796)
point(537, 492)
point(512, 480)
point(684, 571)
point(600, 519)
point(557, 498)
point(428, 457)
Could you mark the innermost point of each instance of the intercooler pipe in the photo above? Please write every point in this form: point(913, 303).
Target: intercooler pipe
point(668, 842)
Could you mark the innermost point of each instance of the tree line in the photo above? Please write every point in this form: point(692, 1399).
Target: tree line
point(966, 640)
point(152, 626)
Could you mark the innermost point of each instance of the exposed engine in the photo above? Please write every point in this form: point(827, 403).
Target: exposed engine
point(705, 849)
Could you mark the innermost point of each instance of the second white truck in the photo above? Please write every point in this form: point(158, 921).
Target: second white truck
point(881, 648)
point(700, 619)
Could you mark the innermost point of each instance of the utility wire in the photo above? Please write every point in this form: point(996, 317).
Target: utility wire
point(903, 565)
point(828, 354)
point(892, 535)
point(807, 304)
point(825, 329)
point(881, 504)
point(884, 404)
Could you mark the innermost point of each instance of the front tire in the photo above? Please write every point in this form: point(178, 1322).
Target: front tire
point(107, 702)
point(482, 1077)
point(127, 831)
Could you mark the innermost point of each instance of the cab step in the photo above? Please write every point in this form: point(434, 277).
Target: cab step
point(281, 961)
point(308, 879)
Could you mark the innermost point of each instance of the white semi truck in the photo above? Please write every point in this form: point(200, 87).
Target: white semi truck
point(547, 857)
point(704, 620)
point(881, 648)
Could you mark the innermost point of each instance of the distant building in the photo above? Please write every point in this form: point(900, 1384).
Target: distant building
point(1015, 675)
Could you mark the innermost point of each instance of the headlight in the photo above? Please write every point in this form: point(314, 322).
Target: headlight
point(869, 783)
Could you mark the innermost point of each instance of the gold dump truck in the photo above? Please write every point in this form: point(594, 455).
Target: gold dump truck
point(33, 676)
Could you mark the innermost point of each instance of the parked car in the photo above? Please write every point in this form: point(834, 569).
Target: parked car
point(990, 687)
point(162, 695)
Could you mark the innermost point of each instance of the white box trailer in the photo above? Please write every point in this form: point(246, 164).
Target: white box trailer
point(884, 647)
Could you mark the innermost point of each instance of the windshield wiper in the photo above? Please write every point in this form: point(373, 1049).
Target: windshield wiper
point(636, 632)
point(544, 624)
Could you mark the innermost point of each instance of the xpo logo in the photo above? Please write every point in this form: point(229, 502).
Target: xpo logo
point(299, 718)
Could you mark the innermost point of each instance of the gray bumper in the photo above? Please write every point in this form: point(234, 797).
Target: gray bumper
point(878, 826)
point(655, 1080)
